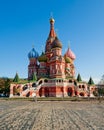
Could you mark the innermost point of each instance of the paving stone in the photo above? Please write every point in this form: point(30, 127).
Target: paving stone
point(49, 115)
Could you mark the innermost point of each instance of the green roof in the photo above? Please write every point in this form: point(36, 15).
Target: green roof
point(91, 82)
point(79, 78)
point(16, 78)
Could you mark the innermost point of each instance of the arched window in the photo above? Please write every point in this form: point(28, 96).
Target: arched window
point(40, 82)
point(45, 80)
point(34, 85)
point(83, 87)
point(59, 80)
point(81, 94)
point(70, 81)
point(25, 87)
point(79, 86)
point(75, 83)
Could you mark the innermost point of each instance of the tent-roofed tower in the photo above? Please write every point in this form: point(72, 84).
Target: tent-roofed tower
point(51, 36)
point(32, 67)
point(49, 41)
point(69, 58)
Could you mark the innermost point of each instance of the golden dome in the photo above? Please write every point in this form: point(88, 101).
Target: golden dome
point(42, 58)
point(67, 59)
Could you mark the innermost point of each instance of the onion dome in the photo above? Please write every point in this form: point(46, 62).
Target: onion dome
point(70, 54)
point(33, 54)
point(68, 60)
point(42, 58)
point(56, 43)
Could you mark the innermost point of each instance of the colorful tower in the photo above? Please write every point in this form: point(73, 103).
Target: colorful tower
point(69, 66)
point(52, 74)
point(48, 49)
point(51, 37)
point(42, 71)
point(57, 62)
point(33, 66)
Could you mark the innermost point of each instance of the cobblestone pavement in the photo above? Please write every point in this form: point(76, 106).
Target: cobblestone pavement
point(50, 115)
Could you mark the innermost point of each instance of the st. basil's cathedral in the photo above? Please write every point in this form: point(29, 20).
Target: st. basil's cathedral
point(54, 73)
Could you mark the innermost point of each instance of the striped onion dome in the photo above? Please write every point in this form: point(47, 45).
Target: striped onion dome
point(70, 54)
point(42, 58)
point(33, 54)
point(56, 43)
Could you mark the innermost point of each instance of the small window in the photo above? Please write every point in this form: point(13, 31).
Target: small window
point(59, 80)
point(70, 81)
point(79, 86)
point(83, 86)
point(45, 80)
point(34, 85)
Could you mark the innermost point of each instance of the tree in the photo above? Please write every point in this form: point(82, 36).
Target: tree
point(2, 85)
point(101, 91)
point(5, 85)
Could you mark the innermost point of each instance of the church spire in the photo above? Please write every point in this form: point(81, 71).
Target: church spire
point(52, 31)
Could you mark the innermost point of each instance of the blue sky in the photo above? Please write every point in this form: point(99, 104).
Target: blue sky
point(26, 22)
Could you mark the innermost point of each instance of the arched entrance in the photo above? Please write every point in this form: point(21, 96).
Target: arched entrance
point(40, 92)
point(45, 80)
point(46, 92)
point(69, 91)
point(34, 85)
point(28, 94)
point(40, 82)
point(82, 94)
point(16, 90)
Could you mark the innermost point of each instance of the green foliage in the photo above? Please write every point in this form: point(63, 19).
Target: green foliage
point(101, 91)
point(16, 78)
point(5, 85)
point(79, 78)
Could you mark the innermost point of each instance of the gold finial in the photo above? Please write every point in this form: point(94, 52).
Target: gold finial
point(52, 19)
